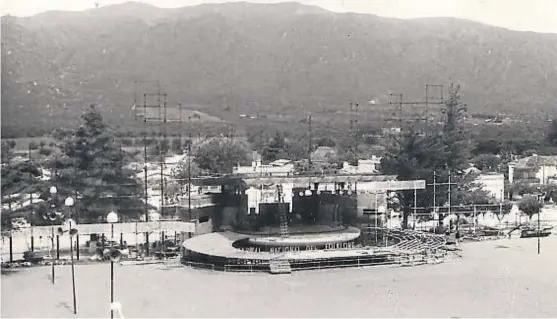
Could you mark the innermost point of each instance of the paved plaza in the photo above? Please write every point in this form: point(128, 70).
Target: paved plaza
point(503, 278)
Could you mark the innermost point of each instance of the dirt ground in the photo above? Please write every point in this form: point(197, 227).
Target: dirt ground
point(503, 278)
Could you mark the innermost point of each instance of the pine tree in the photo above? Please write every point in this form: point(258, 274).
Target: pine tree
point(91, 165)
point(443, 150)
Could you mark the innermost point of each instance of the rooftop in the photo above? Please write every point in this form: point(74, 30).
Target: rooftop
point(536, 161)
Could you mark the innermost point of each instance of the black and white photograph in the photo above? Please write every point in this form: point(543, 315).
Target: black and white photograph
point(278, 159)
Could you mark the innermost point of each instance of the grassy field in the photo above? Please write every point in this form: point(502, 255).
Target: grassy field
point(504, 278)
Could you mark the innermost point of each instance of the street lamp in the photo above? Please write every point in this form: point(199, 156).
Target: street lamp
point(69, 202)
point(540, 200)
point(52, 217)
point(112, 218)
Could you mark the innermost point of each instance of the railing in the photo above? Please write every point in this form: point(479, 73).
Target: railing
point(198, 265)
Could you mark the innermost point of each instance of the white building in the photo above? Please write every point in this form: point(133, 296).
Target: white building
point(534, 169)
point(278, 168)
point(493, 183)
point(365, 166)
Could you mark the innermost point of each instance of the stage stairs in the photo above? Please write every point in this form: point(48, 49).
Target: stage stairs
point(280, 266)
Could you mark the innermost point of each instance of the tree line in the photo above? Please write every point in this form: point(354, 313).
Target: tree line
point(90, 162)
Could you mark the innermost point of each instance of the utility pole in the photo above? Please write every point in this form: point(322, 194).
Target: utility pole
point(135, 99)
point(435, 184)
point(428, 102)
point(399, 108)
point(145, 168)
point(415, 208)
point(31, 198)
point(162, 158)
point(310, 147)
point(449, 193)
point(354, 119)
point(189, 171)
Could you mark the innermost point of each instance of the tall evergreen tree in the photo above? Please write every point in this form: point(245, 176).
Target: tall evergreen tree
point(444, 150)
point(91, 165)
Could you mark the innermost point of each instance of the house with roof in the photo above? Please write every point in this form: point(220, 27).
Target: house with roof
point(364, 167)
point(534, 169)
point(323, 154)
point(278, 168)
point(491, 182)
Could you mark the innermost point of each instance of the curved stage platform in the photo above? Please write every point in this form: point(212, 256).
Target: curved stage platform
point(220, 249)
point(308, 240)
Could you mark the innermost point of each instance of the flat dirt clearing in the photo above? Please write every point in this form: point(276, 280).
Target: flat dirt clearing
point(504, 278)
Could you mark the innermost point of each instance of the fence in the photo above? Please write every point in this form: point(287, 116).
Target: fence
point(38, 238)
point(137, 227)
point(403, 260)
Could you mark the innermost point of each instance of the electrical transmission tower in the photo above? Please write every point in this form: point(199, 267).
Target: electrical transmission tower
point(354, 119)
point(159, 118)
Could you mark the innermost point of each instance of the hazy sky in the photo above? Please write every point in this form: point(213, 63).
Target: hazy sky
point(526, 15)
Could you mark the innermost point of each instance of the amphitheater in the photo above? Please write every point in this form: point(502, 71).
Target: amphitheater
point(219, 251)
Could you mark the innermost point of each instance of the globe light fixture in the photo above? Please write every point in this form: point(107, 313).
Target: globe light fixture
point(112, 217)
point(69, 202)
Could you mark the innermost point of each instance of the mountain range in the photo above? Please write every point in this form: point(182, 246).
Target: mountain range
point(277, 59)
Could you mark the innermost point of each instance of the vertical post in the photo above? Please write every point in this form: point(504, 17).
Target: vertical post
point(539, 233)
point(57, 247)
point(434, 197)
point(77, 246)
point(52, 243)
point(388, 222)
point(500, 217)
point(449, 199)
point(111, 272)
point(145, 186)
point(376, 212)
point(75, 193)
point(73, 272)
point(31, 198)
point(474, 221)
point(11, 248)
point(426, 102)
point(146, 243)
point(111, 287)
point(415, 208)
point(136, 238)
point(310, 145)
point(189, 168)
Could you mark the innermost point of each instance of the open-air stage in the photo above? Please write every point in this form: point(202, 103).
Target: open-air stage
point(338, 247)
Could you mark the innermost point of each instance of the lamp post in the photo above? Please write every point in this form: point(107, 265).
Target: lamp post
point(53, 191)
point(69, 202)
point(541, 200)
point(112, 218)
